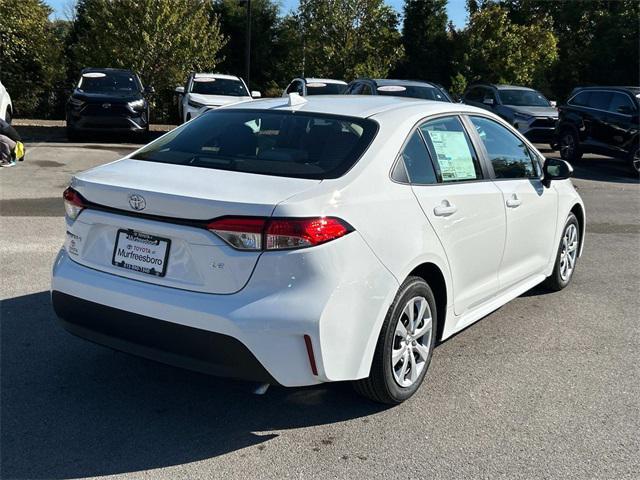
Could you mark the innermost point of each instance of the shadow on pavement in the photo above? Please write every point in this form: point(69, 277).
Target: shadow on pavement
point(57, 134)
point(601, 169)
point(73, 409)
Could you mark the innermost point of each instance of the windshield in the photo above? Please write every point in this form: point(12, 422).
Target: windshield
point(109, 82)
point(523, 98)
point(426, 92)
point(218, 86)
point(288, 144)
point(320, 88)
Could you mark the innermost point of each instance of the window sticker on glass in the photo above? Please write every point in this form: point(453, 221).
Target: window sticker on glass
point(94, 75)
point(454, 156)
point(316, 85)
point(391, 88)
point(204, 79)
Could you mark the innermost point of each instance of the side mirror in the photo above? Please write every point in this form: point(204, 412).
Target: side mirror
point(149, 90)
point(255, 94)
point(488, 101)
point(625, 109)
point(179, 90)
point(555, 169)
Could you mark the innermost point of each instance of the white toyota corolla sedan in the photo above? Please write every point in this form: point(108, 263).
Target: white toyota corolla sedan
point(297, 241)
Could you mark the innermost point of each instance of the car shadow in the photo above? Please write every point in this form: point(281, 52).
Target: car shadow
point(601, 169)
point(58, 134)
point(73, 409)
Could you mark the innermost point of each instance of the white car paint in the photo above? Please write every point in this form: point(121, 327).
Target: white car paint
point(193, 104)
point(6, 107)
point(337, 293)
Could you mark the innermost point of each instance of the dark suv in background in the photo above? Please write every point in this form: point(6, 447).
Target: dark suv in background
point(108, 100)
point(399, 88)
point(602, 120)
point(525, 108)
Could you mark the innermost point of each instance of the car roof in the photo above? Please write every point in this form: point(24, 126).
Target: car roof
point(404, 83)
point(215, 75)
point(323, 80)
point(360, 106)
point(634, 90)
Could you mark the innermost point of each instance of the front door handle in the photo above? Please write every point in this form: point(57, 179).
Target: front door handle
point(445, 209)
point(514, 201)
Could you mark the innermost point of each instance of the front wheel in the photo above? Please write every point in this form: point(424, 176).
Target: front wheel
point(404, 348)
point(634, 161)
point(566, 257)
point(569, 145)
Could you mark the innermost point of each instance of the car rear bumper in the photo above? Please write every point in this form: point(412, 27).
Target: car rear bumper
point(166, 342)
point(335, 294)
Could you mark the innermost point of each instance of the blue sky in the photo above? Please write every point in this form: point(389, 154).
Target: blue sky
point(456, 8)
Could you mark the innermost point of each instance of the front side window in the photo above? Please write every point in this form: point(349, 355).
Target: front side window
point(599, 100)
point(509, 155)
point(218, 86)
point(288, 144)
point(474, 95)
point(417, 162)
point(621, 103)
point(454, 157)
point(581, 99)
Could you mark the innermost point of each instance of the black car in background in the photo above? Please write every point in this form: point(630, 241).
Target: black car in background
point(108, 100)
point(399, 88)
point(525, 108)
point(602, 120)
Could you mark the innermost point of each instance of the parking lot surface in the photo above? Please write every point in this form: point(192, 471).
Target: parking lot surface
point(546, 387)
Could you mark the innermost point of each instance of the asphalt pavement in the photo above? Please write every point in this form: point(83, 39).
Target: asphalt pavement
point(548, 386)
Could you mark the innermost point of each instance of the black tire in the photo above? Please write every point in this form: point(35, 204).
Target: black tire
point(381, 386)
point(7, 116)
point(72, 134)
point(569, 145)
point(555, 282)
point(634, 161)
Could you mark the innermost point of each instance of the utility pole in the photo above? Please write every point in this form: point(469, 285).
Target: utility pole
point(247, 50)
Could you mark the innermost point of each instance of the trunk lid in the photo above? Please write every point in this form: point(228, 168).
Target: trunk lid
point(196, 259)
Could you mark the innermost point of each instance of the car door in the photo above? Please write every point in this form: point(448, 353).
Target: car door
point(531, 208)
point(622, 124)
point(465, 211)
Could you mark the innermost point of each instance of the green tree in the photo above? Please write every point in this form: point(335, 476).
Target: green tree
point(30, 54)
point(268, 51)
point(347, 38)
point(427, 44)
point(162, 40)
point(502, 51)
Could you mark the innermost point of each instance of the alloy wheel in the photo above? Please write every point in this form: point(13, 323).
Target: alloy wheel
point(411, 342)
point(635, 161)
point(567, 146)
point(569, 251)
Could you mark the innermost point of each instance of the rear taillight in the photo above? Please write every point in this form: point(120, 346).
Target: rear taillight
point(73, 203)
point(247, 233)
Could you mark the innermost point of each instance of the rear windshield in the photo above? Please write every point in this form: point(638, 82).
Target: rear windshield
point(321, 88)
point(218, 86)
point(109, 82)
point(287, 144)
point(426, 93)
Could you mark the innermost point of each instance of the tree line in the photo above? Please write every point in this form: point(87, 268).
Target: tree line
point(549, 45)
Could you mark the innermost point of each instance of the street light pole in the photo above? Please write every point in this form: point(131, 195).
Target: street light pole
point(248, 46)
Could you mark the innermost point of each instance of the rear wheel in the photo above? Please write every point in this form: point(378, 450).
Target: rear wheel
point(569, 145)
point(404, 348)
point(566, 257)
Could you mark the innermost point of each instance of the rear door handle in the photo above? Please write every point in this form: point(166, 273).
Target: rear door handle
point(514, 201)
point(445, 209)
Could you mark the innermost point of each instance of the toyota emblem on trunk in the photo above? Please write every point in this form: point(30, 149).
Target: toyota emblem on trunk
point(137, 202)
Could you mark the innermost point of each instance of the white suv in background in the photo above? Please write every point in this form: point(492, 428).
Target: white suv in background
point(6, 109)
point(298, 241)
point(204, 91)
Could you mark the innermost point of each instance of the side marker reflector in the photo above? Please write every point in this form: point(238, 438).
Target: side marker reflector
point(312, 359)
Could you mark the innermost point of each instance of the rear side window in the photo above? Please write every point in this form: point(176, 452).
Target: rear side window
point(288, 144)
point(417, 162)
point(509, 156)
point(454, 157)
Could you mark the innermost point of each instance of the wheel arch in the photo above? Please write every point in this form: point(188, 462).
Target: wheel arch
point(578, 211)
point(433, 275)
